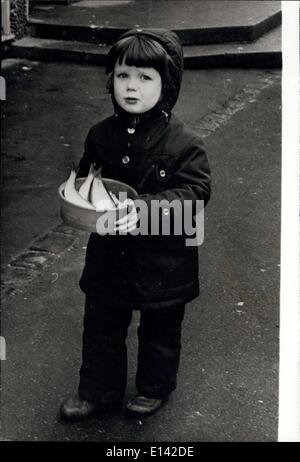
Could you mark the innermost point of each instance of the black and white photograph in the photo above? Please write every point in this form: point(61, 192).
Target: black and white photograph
point(149, 223)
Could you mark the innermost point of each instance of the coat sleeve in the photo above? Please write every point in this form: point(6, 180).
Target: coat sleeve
point(90, 154)
point(88, 157)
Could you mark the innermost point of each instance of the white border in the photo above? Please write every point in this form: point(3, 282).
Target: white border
point(289, 362)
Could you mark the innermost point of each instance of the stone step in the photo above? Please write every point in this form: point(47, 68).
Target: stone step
point(195, 22)
point(51, 2)
point(264, 53)
point(6, 42)
point(7, 38)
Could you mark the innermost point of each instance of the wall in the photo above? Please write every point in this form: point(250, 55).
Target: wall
point(18, 17)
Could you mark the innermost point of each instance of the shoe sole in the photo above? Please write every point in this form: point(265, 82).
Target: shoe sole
point(132, 413)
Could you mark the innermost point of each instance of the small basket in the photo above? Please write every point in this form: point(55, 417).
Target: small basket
point(88, 219)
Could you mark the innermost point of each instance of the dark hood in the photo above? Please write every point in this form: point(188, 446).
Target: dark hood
point(171, 44)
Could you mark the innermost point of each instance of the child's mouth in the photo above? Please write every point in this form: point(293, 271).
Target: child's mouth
point(130, 100)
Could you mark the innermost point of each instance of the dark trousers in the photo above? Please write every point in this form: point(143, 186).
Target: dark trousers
point(103, 373)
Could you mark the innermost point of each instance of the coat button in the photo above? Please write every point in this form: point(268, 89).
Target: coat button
point(162, 173)
point(166, 211)
point(131, 131)
point(125, 159)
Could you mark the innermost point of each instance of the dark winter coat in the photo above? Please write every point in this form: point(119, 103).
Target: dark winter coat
point(162, 159)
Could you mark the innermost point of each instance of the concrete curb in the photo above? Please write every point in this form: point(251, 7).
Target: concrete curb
point(41, 254)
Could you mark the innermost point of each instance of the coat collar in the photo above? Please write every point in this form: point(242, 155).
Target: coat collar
point(132, 121)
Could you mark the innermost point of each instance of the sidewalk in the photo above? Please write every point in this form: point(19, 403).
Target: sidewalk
point(228, 381)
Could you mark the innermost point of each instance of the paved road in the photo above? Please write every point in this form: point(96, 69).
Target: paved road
point(228, 381)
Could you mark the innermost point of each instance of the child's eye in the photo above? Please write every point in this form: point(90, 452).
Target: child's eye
point(145, 77)
point(122, 75)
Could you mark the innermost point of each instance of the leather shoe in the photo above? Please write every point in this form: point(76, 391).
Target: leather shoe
point(140, 406)
point(75, 408)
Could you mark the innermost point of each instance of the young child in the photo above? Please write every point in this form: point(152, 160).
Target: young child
point(144, 145)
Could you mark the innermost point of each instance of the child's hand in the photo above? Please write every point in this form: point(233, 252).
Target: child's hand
point(129, 221)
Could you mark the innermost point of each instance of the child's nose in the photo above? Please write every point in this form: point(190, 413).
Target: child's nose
point(132, 84)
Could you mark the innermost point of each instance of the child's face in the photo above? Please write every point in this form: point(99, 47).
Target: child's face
point(136, 89)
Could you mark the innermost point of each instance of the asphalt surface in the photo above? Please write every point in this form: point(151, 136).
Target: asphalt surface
point(228, 381)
